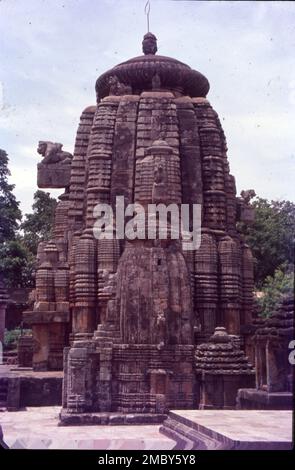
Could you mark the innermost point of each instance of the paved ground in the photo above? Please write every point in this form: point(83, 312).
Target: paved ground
point(246, 426)
point(36, 428)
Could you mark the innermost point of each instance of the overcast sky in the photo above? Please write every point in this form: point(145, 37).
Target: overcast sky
point(52, 52)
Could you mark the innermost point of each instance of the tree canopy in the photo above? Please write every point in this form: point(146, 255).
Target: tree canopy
point(10, 214)
point(17, 264)
point(18, 242)
point(281, 283)
point(271, 237)
point(37, 226)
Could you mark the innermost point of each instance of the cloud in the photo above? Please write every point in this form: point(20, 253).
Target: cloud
point(53, 51)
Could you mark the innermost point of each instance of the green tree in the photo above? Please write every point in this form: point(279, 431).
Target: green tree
point(10, 214)
point(274, 287)
point(271, 237)
point(37, 226)
point(16, 264)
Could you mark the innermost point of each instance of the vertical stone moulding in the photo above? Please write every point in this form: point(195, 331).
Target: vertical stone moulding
point(248, 284)
point(84, 312)
point(206, 278)
point(230, 283)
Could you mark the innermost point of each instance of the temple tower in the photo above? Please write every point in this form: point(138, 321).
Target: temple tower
point(139, 306)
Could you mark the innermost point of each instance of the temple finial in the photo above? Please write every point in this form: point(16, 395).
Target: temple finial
point(149, 44)
point(147, 10)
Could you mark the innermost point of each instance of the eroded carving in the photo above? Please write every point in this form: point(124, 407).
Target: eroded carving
point(52, 153)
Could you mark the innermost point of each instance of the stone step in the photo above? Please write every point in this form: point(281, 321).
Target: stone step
point(10, 352)
point(221, 429)
point(9, 357)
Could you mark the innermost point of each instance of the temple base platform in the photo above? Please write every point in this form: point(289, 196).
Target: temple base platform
point(38, 428)
point(229, 430)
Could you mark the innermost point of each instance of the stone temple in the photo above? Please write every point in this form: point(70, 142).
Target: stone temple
point(129, 320)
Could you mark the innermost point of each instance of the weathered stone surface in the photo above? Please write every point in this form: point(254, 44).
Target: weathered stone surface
point(229, 430)
point(3, 305)
point(43, 391)
point(274, 372)
point(55, 175)
point(222, 368)
point(55, 169)
point(136, 308)
point(25, 348)
point(21, 387)
point(26, 430)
